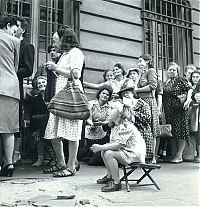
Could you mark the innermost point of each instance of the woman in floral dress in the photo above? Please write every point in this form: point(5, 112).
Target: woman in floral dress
point(58, 128)
point(175, 90)
point(146, 89)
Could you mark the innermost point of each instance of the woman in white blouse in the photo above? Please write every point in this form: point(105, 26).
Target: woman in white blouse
point(58, 128)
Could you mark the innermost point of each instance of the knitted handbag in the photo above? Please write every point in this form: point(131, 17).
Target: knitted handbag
point(70, 103)
point(165, 129)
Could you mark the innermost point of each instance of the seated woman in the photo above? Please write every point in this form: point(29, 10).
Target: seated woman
point(38, 116)
point(126, 145)
point(94, 133)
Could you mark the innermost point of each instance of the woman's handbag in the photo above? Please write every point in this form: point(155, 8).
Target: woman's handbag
point(70, 103)
point(165, 129)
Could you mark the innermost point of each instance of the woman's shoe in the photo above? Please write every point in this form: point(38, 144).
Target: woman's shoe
point(176, 160)
point(65, 173)
point(111, 187)
point(77, 166)
point(6, 171)
point(38, 163)
point(104, 180)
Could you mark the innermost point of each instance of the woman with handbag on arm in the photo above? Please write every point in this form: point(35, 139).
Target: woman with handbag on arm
point(58, 128)
point(175, 91)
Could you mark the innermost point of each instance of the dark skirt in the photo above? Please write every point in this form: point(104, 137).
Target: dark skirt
point(9, 114)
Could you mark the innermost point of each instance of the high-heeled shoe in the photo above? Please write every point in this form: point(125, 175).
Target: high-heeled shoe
point(77, 166)
point(8, 172)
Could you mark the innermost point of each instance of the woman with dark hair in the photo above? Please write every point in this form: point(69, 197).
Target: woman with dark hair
point(9, 91)
point(108, 75)
point(175, 91)
point(146, 89)
point(119, 74)
point(95, 133)
point(58, 128)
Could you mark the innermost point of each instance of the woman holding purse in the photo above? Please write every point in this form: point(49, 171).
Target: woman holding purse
point(59, 128)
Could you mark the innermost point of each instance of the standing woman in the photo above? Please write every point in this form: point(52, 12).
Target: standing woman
point(175, 89)
point(9, 91)
point(146, 89)
point(58, 128)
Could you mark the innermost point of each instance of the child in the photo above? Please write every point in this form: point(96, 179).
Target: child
point(126, 146)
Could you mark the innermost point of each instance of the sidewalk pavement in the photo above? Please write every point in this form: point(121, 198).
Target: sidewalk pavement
point(179, 185)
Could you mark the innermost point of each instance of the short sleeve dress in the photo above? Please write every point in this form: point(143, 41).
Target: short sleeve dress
point(58, 127)
point(97, 113)
point(125, 132)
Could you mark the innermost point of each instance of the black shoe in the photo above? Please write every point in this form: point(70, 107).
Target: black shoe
point(104, 180)
point(8, 172)
point(111, 187)
point(77, 166)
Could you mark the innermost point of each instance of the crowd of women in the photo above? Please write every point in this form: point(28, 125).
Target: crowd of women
point(124, 123)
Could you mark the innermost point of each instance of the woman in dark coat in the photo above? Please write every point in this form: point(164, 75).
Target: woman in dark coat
point(175, 91)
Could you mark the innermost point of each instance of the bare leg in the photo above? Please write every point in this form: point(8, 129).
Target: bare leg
point(181, 147)
point(106, 164)
point(8, 140)
point(112, 158)
point(73, 149)
point(58, 148)
point(40, 151)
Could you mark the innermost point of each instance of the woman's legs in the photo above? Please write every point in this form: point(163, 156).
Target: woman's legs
point(40, 151)
point(58, 148)
point(106, 164)
point(112, 158)
point(8, 141)
point(181, 147)
point(73, 149)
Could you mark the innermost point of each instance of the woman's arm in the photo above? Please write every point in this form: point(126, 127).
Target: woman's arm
point(152, 82)
point(107, 146)
point(93, 85)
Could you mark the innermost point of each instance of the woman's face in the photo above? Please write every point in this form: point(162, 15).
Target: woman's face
point(142, 64)
point(172, 71)
point(56, 42)
point(104, 95)
point(41, 84)
point(109, 75)
point(117, 71)
point(133, 75)
point(195, 78)
point(188, 73)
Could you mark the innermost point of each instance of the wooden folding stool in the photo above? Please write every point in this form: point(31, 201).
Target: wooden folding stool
point(147, 168)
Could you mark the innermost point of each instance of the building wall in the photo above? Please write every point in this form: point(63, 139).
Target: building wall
point(110, 32)
point(196, 31)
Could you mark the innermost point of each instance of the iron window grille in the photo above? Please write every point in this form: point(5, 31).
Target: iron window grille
point(168, 32)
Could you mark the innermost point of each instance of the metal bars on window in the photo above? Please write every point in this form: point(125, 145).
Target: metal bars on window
point(168, 31)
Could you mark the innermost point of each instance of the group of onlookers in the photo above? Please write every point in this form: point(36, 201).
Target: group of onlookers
point(124, 122)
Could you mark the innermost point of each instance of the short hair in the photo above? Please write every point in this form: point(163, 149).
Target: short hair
point(105, 73)
point(189, 66)
point(105, 87)
point(119, 65)
point(24, 25)
point(4, 21)
point(68, 38)
point(147, 57)
point(196, 71)
point(174, 64)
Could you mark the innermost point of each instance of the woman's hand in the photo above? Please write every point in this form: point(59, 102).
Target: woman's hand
point(95, 148)
point(197, 97)
point(50, 66)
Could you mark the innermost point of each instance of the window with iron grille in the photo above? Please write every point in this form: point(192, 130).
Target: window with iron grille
point(168, 32)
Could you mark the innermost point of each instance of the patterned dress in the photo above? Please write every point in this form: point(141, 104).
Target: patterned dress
point(150, 78)
point(176, 117)
point(100, 113)
point(58, 127)
point(142, 115)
